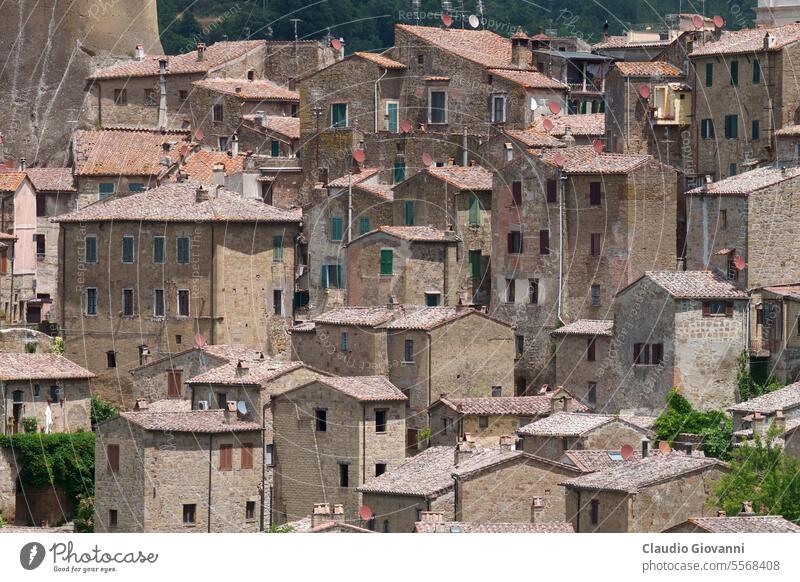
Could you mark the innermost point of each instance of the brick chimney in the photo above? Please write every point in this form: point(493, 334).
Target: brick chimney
point(338, 513)
point(138, 53)
point(230, 411)
point(218, 170)
point(431, 517)
point(520, 49)
point(242, 368)
point(747, 509)
point(201, 194)
point(201, 51)
point(321, 514)
point(507, 442)
point(464, 449)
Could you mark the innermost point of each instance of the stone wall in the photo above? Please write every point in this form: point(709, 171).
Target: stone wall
point(322, 349)
point(9, 471)
point(575, 372)
point(150, 381)
point(403, 511)
point(609, 437)
point(71, 413)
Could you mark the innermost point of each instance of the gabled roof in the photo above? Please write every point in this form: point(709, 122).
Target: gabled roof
point(381, 60)
point(217, 54)
point(789, 291)
point(743, 524)
point(565, 424)
point(484, 528)
point(51, 179)
point(463, 177)
point(246, 373)
point(15, 366)
point(749, 40)
point(222, 352)
point(365, 388)
point(429, 318)
point(593, 327)
point(588, 124)
point(176, 202)
point(648, 69)
point(479, 46)
point(199, 166)
point(194, 421)
point(247, 90)
point(747, 182)
point(118, 152)
point(631, 476)
point(344, 181)
point(586, 160)
point(414, 233)
point(533, 138)
point(287, 126)
point(507, 405)
point(770, 403)
point(529, 79)
point(359, 316)
point(692, 285)
point(11, 181)
point(589, 461)
point(427, 474)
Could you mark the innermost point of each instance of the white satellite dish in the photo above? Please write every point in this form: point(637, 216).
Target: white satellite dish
point(241, 407)
point(534, 105)
point(474, 21)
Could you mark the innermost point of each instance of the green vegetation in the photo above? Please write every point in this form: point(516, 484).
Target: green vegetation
point(424, 434)
point(58, 345)
point(30, 424)
point(2, 521)
point(369, 24)
point(102, 410)
point(753, 380)
point(713, 426)
point(763, 473)
point(285, 528)
point(84, 515)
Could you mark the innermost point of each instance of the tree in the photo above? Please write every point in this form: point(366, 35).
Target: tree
point(763, 473)
point(102, 410)
point(750, 385)
point(713, 426)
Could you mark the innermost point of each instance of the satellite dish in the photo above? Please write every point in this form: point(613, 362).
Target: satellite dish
point(365, 513)
point(597, 146)
point(359, 156)
point(405, 126)
point(241, 407)
point(555, 108)
point(184, 151)
point(534, 105)
point(664, 447)
point(626, 452)
point(559, 160)
point(447, 20)
point(739, 263)
point(199, 135)
point(644, 91)
point(474, 21)
point(698, 21)
point(719, 22)
point(199, 340)
point(427, 159)
point(548, 125)
point(336, 44)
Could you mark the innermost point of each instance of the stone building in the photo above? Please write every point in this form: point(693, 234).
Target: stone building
point(773, 332)
point(32, 383)
point(584, 128)
point(289, 59)
point(581, 354)
point(188, 471)
point(551, 437)
point(747, 80)
point(681, 33)
point(778, 410)
point(743, 226)
point(18, 255)
point(485, 420)
point(739, 524)
point(208, 264)
point(572, 227)
point(645, 495)
point(675, 329)
point(433, 525)
point(584, 72)
point(788, 145)
point(331, 435)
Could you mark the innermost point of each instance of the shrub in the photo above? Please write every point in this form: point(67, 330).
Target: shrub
point(715, 428)
point(424, 434)
point(58, 345)
point(84, 515)
point(102, 410)
point(30, 424)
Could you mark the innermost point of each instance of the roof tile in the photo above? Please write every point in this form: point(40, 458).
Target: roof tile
point(15, 366)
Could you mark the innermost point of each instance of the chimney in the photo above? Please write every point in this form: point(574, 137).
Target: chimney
point(338, 513)
point(721, 513)
point(141, 404)
point(568, 140)
point(537, 509)
point(201, 51)
point(321, 514)
point(230, 411)
point(234, 145)
point(162, 91)
point(645, 447)
point(242, 369)
point(464, 449)
point(260, 118)
point(769, 41)
point(392, 303)
point(758, 424)
point(138, 53)
point(747, 509)
point(431, 517)
point(566, 401)
point(605, 30)
point(507, 442)
point(461, 305)
point(779, 422)
point(340, 51)
point(201, 194)
point(182, 176)
point(520, 50)
point(218, 170)
point(23, 164)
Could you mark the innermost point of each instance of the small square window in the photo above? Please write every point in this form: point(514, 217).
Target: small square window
point(111, 359)
point(408, 351)
point(380, 469)
point(483, 422)
point(497, 391)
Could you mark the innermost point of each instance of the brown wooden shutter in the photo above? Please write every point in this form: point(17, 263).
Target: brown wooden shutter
point(595, 195)
point(637, 351)
point(706, 309)
point(247, 455)
point(552, 191)
point(225, 457)
point(112, 452)
point(174, 383)
point(729, 309)
point(516, 192)
point(544, 242)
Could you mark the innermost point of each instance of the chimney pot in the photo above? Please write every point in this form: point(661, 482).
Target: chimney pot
point(431, 517)
point(464, 449)
point(338, 513)
point(201, 194)
point(747, 509)
point(218, 171)
point(138, 53)
point(201, 51)
point(645, 447)
point(320, 514)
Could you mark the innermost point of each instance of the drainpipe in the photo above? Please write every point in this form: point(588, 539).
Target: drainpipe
point(578, 513)
point(349, 207)
point(210, 462)
point(263, 465)
point(430, 375)
point(364, 443)
point(5, 400)
point(377, 83)
point(464, 156)
point(213, 302)
point(62, 268)
point(162, 89)
point(562, 179)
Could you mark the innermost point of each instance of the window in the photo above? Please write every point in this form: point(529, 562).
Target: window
point(656, 354)
point(475, 264)
point(595, 193)
point(150, 98)
point(544, 242)
point(270, 455)
point(90, 249)
point(332, 277)
point(408, 351)
point(40, 245)
point(250, 510)
point(183, 95)
point(437, 110)
point(158, 303)
point(519, 341)
point(222, 143)
point(41, 205)
point(247, 456)
point(105, 189)
point(707, 128)
point(515, 242)
point(709, 74)
point(217, 113)
point(641, 354)
point(387, 261)
point(189, 512)
point(55, 394)
point(533, 291)
point(596, 244)
point(595, 295)
point(339, 115)
point(159, 246)
point(420, 59)
point(391, 119)
point(174, 383)
point(112, 454)
point(511, 288)
point(225, 457)
point(275, 148)
point(408, 208)
point(755, 132)
point(337, 228)
point(91, 301)
point(127, 249)
point(277, 246)
point(127, 302)
point(321, 420)
point(432, 299)
point(135, 187)
point(732, 170)
point(723, 219)
point(345, 343)
point(497, 391)
point(756, 71)
point(552, 191)
point(399, 173)
point(183, 302)
point(595, 509)
point(516, 192)
point(380, 420)
point(183, 250)
point(717, 309)
point(120, 96)
point(112, 518)
point(222, 400)
point(277, 301)
point(363, 225)
point(591, 393)
point(591, 352)
point(344, 475)
point(380, 469)
point(731, 126)
point(483, 422)
point(474, 210)
point(37, 392)
point(498, 108)
point(734, 73)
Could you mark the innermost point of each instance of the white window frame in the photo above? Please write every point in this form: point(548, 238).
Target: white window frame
point(163, 302)
point(133, 302)
point(178, 302)
point(444, 90)
point(164, 246)
point(96, 249)
point(122, 257)
point(86, 302)
point(502, 97)
point(177, 255)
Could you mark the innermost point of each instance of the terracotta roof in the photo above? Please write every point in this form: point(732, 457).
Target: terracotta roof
point(695, 285)
point(750, 40)
point(247, 90)
point(305, 326)
point(223, 352)
point(788, 131)
point(249, 372)
point(747, 182)
point(745, 524)
point(199, 421)
point(343, 181)
point(589, 461)
point(512, 405)
point(469, 527)
point(622, 42)
point(429, 318)
point(176, 202)
point(7, 236)
point(288, 126)
point(384, 191)
point(365, 388)
point(648, 69)
point(565, 424)
point(781, 399)
point(791, 291)
point(589, 124)
point(381, 60)
point(533, 138)
point(360, 316)
point(39, 367)
point(528, 79)
point(464, 177)
point(479, 46)
point(170, 405)
point(646, 422)
point(416, 233)
point(427, 474)
point(585, 160)
point(10, 181)
point(199, 165)
point(602, 327)
point(124, 153)
point(51, 179)
point(187, 63)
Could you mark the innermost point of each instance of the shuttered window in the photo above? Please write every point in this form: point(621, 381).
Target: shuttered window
point(183, 250)
point(552, 191)
point(474, 210)
point(337, 229)
point(225, 457)
point(516, 192)
point(112, 452)
point(127, 249)
point(247, 455)
point(387, 262)
point(544, 242)
point(277, 249)
point(174, 384)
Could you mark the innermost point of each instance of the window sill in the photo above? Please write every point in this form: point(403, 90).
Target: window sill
point(405, 363)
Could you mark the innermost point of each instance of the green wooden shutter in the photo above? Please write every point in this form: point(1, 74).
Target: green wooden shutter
point(277, 243)
point(409, 208)
point(363, 226)
point(475, 264)
point(275, 148)
point(391, 111)
point(756, 72)
point(734, 73)
point(709, 74)
point(474, 210)
point(387, 256)
point(337, 228)
point(324, 277)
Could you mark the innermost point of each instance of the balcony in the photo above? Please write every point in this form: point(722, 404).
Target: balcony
point(595, 86)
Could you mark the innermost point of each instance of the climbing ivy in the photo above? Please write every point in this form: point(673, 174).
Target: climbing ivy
point(715, 428)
